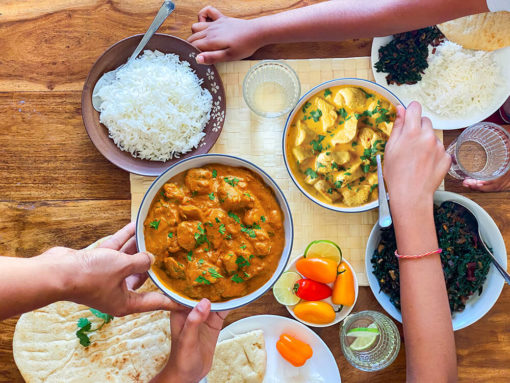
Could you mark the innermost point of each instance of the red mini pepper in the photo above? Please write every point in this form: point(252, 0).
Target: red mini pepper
point(310, 290)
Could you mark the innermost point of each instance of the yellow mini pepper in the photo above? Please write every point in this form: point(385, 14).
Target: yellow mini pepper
point(317, 312)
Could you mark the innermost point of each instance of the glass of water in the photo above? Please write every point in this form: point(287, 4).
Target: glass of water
point(481, 152)
point(374, 351)
point(271, 88)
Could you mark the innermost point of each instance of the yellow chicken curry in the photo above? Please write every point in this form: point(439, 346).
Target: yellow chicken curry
point(216, 231)
point(333, 142)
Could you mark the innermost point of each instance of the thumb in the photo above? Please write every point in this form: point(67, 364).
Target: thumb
point(195, 318)
point(479, 185)
point(150, 301)
point(213, 57)
point(137, 263)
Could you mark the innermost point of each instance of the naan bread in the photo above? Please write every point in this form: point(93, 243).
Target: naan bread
point(241, 359)
point(133, 348)
point(485, 31)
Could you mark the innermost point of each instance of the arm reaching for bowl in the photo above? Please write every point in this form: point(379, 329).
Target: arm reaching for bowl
point(223, 38)
point(103, 278)
point(415, 163)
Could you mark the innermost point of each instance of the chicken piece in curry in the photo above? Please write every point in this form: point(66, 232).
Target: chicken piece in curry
point(333, 142)
point(216, 231)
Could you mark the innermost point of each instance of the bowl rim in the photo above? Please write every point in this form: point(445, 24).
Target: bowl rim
point(88, 87)
point(394, 312)
point(285, 256)
point(292, 264)
point(357, 209)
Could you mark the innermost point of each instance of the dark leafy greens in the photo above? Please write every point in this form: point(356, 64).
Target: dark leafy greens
point(405, 57)
point(465, 262)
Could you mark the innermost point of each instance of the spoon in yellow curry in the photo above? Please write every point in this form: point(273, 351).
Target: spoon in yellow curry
point(384, 209)
point(106, 79)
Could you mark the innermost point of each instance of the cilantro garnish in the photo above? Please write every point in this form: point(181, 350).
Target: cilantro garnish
point(214, 273)
point(342, 112)
point(222, 229)
point(327, 92)
point(211, 196)
point(338, 184)
point(306, 106)
point(202, 280)
point(373, 187)
point(233, 182)
point(234, 216)
point(237, 279)
point(214, 173)
point(154, 224)
point(85, 326)
point(190, 253)
point(316, 115)
point(170, 235)
point(262, 218)
point(243, 246)
point(242, 261)
point(311, 173)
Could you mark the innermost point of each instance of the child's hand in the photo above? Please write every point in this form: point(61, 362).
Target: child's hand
point(415, 161)
point(223, 38)
point(194, 337)
point(499, 184)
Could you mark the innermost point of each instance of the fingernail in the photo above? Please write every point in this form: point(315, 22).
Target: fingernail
point(200, 59)
point(202, 306)
point(152, 257)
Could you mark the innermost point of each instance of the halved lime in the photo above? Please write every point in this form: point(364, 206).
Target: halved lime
point(324, 249)
point(365, 337)
point(283, 289)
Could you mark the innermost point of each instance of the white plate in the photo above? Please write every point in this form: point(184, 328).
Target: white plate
point(502, 57)
point(322, 362)
point(477, 305)
point(346, 310)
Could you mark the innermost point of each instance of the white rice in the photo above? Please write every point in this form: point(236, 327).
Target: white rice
point(156, 108)
point(458, 81)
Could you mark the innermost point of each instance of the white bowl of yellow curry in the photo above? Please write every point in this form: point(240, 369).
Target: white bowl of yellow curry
point(331, 140)
point(220, 228)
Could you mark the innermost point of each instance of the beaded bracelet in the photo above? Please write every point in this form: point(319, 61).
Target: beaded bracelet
point(438, 251)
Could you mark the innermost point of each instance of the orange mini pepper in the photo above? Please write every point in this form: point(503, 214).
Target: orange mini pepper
point(318, 269)
point(343, 289)
point(293, 350)
point(317, 312)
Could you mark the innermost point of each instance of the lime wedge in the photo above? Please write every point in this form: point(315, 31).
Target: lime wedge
point(365, 337)
point(283, 289)
point(324, 249)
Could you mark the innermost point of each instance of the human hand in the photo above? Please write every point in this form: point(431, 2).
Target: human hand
point(499, 184)
point(105, 278)
point(415, 161)
point(194, 337)
point(224, 38)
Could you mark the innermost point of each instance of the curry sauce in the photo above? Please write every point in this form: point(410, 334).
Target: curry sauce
point(216, 231)
point(333, 142)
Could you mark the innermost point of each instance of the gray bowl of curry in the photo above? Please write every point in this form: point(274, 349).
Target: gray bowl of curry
point(331, 140)
point(219, 227)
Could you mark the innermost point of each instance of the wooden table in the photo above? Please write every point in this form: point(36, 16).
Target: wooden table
point(56, 189)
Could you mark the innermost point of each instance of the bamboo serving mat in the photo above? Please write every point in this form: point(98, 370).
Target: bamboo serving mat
point(260, 141)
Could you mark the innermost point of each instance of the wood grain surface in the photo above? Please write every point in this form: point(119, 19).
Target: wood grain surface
point(56, 189)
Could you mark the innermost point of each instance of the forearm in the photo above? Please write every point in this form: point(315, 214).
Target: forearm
point(29, 283)
point(347, 19)
point(424, 301)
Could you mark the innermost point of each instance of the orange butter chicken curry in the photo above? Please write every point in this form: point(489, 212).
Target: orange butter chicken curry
point(216, 231)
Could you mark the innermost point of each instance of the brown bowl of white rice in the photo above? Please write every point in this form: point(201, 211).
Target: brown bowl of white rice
point(161, 108)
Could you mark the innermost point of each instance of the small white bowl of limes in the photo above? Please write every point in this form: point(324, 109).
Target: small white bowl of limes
point(286, 289)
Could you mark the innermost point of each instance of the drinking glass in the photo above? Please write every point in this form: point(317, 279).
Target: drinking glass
point(481, 152)
point(271, 88)
point(382, 352)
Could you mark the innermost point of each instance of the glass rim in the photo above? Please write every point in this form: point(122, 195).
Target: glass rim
point(475, 175)
point(293, 74)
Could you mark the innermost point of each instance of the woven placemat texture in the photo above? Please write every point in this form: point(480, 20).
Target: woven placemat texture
point(260, 141)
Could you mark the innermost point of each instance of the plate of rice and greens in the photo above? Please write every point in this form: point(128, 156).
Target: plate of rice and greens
point(457, 86)
point(161, 108)
point(473, 284)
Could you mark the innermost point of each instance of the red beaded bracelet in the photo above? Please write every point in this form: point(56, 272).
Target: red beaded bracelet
point(438, 251)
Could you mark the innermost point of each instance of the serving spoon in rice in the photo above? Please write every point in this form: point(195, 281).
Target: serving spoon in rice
point(106, 79)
